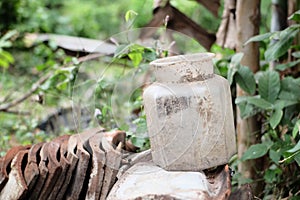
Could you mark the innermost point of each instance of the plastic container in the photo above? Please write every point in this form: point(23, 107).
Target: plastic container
point(189, 114)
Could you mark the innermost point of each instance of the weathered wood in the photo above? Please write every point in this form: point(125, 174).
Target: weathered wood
point(65, 165)
point(16, 184)
point(226, 35)
point(73, 160)
point(71, 43)
point(5, 166)
point(212, 5)
point(31, 172)
point(79, 177)
point(179, 22)
point(113, 162)
point(3, 178)
point(115, 138)
point(90, 163)
point(97, 171)
point(68, 167)
point(43, 170)
point(54, 169)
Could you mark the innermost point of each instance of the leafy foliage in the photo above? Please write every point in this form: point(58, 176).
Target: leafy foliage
point(5, 57)
point(275, 99)
point(135, 59)
point(256, 151)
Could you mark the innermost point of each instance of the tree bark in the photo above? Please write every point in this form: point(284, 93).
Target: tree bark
point(178, 21)
point(247, 25)
point(226, 35)
point(278, 21)
point(212, 5)
point(279, 15)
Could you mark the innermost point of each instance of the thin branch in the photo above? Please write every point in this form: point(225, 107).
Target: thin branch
point(89, 57)
point(15, 112)
point(5, 107)
point(35, 87)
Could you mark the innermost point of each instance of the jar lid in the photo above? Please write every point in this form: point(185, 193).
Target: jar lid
point(183, 68)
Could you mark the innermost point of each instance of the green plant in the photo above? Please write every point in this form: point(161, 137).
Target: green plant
point(6, 58)
point(50, 79)
point(118, 99)
point(274, 96)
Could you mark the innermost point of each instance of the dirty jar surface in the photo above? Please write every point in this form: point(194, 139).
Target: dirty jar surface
point(189, 114)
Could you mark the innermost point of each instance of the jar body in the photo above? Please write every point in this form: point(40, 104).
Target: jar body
point(190, 122)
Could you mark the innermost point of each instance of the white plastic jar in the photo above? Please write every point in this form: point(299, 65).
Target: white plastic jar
point(189, 114)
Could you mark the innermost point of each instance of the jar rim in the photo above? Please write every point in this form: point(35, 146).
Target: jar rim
point(196, 57)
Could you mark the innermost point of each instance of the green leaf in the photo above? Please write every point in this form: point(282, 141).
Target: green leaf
point(283, 103)
point(255, 151)
point(286, 95)
point(137, 141)
point(236, 58)
point(130, 15)
point(271, 174)
point(45, 86)
point(242, 99)
point(296, 129)
point(62, 85)
point(275, 118)
point(269, 86)
point(234, 66)
point(4, 64)
point(280, 47)
point(295, 148)
point(275, 156)
point(136, 58)
point(5, 44)
point(260, 37)
point(5, 59)
point(75, 61)
point(3, 40)
point(9, 34)
point(149, 55)
point(297, 158)
point(282, 67)
point(290, 88)
point(137, 47)
point(245, 79)
point(7, 56)
point(260, 103)
point(296, 54)
point(141, 125)
point(243, 180)
point(247, 110)
point(295, 16)
point(246, 105)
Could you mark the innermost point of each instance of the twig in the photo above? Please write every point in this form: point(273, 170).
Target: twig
point(5, 107)
point(89, 57)
point(35, 87)
point(15, 112)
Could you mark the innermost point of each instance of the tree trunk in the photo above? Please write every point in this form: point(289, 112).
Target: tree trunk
point(278, 20)
point(279, 15)
point(248, 132)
